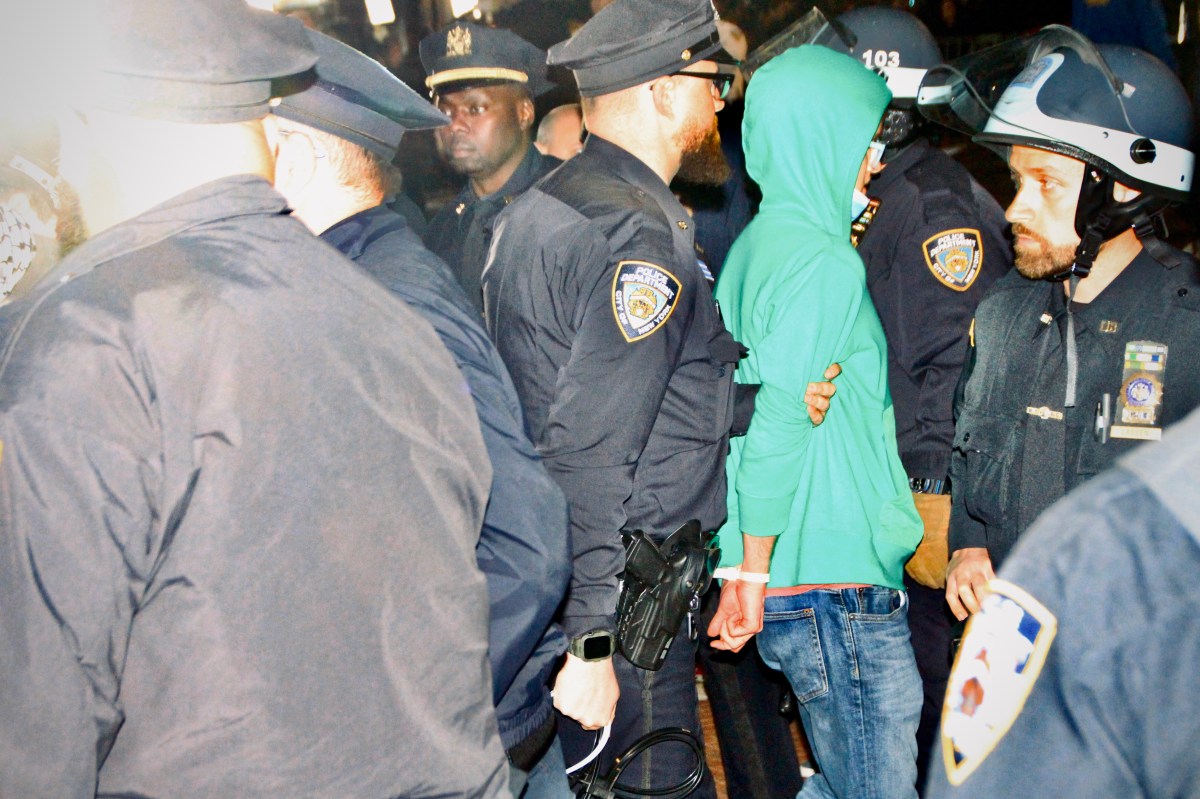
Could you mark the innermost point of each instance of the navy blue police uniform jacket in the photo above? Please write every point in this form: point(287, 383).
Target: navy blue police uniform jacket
point(596, 302)
point(523, 546)
point(240, 493)
point(1078, 678)
point(461, 231)
point(938, 241)
point(1017, 448)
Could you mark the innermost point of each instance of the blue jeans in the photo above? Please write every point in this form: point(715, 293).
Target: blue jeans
point(847, 655)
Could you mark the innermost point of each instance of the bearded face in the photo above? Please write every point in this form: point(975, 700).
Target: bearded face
point(1043, 211)
point(702, 161)
point(1036, 257)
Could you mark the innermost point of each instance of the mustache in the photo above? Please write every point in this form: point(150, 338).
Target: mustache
point(453, 141)
point(1020, 229)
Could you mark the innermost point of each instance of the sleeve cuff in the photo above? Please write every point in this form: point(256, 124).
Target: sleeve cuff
point(764, 516)
point(575, 626)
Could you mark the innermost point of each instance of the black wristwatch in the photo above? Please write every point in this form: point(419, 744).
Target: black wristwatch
point(928, 485)
point(593, 645)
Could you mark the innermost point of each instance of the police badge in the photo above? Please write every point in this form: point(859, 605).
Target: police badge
point(458, 42)
point(955, 257)
point(644, 295)
point(1140, 400)
point(997, 665)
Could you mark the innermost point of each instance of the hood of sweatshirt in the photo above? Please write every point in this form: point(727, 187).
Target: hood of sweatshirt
point(810, 115)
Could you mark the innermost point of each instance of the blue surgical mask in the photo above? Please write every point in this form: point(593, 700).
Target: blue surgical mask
point(858, 204)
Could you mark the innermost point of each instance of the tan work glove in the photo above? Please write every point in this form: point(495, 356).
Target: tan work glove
point(928, 564)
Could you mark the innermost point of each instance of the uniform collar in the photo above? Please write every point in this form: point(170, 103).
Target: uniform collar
point(633, 170)
point(1125, 297)
point(894, 171)
point(532, 167)
point(226, 198)
point(353, 235)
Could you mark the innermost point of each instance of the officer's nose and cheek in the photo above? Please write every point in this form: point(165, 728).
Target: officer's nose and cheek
point(460, 119)
point(464, 112)
point(1025, 203)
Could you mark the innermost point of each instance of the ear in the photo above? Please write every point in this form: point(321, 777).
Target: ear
point(663, 91)
point(271, 130)
point(1123, 194)
point(525, 114)
point(295, 158)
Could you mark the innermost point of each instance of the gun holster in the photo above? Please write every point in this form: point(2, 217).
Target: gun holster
point(658, 588)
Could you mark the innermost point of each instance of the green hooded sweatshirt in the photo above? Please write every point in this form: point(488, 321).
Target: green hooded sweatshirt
point(794, 291)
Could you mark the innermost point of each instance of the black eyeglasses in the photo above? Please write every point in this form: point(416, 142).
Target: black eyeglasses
point(721, 81)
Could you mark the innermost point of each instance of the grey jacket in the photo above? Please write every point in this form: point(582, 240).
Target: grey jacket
point(240, 490)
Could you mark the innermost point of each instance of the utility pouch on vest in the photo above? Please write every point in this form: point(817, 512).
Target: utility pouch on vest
point(658, 588)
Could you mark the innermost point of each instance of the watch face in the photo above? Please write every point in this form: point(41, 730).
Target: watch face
point(597, 647)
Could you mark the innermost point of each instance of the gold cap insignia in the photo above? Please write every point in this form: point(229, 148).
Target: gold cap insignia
point(458, 42)
point(685, 55)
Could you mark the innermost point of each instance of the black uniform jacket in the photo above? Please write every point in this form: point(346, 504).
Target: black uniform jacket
point(596, 303)
point(1017, 449)
point(523, 547)
point(926, 292)
point(240, 492)
point(461, 232)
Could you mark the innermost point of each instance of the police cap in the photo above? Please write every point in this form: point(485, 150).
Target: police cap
point(355, 98)
point(463, 55)
point(633, 41)
point(187, 61)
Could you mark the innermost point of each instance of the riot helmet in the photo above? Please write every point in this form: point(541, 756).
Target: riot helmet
point(1119, 110)
point(895, 44)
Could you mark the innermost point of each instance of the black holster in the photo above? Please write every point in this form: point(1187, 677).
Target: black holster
point(658, 588)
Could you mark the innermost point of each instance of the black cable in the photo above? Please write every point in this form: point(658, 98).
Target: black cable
point(607, 787)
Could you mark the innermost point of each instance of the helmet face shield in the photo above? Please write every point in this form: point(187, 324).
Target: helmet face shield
point(799, 32)
point(1058, 92)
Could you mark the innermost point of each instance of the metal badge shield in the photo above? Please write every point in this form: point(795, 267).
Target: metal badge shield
point(999, 661)
point(1141, 398)
point(644, 295)
point(458, 42)
point(955, 257)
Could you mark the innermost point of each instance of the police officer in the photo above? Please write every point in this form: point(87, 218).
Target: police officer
point(238, 500)
point(933, 242)
point(356, 113)
point(485, 80)
point(1077, 353)
point(1089, 638)
point(598, 306)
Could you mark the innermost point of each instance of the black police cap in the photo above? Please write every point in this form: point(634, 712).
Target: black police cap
point(357, 99)
point(463, 55)
point(633, 41)
point(208, 61)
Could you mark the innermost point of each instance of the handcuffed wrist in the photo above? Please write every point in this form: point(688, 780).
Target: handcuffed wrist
point(736, 573)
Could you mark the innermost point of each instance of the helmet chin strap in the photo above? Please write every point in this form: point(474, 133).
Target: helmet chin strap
point(1099, 218)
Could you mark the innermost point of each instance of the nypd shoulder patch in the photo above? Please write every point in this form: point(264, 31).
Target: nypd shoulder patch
point(997, 665)
point(955, 257)
point(644, 295)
